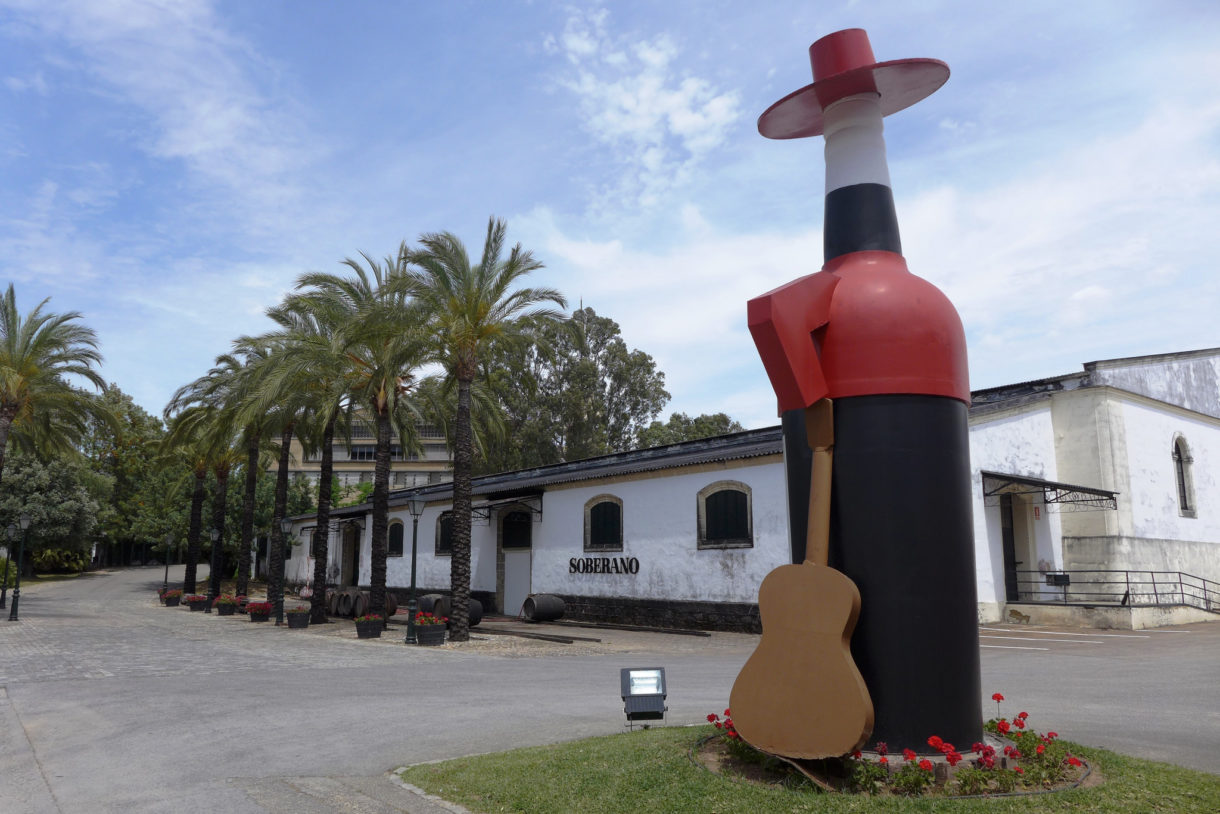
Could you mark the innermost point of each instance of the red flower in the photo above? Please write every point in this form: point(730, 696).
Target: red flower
point(946, 748)
point(857, 754)
point(976, 747)
point(883, 760)
point(926, 765)
point(908, 755)
point(1019, 723)
point(953, 757)
point(711, 717)
point(883, 748)
point(718, 724)
point(1075, 761)
point(1050, 736)
point(997, 697)
point(935, 742)
point(1018, 770)
point(1022, 715)
point(1008, 750)
point(733, 734)
point(1002, 726)
point(727, 713)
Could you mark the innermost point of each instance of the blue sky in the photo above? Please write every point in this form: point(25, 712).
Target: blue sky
point(169, 168)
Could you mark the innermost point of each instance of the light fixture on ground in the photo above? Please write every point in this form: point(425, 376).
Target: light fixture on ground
point(25, 527)
point(169, 538)
point(8, 557)
point(643, 694)
point(214, 572)
point(416, 506)
point(285, 530)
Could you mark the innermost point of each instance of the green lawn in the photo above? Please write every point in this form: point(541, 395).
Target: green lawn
point(650, 771)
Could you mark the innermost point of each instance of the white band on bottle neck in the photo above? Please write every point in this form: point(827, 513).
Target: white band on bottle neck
point(855, 142)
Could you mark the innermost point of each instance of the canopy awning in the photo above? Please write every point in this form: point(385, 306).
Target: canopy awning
point(1061, 496)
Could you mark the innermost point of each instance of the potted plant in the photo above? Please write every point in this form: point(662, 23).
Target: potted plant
point(369, 626)
point(225, 604)
point(197, 602)
point(172, 597)
point(298, 617)
point(259, 611)
point(429, 629)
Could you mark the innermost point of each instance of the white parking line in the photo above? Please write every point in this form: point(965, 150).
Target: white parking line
point(1054, 633)
point(1029, 639)
point(1010, 647)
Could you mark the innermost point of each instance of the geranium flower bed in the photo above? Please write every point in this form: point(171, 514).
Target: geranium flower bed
point(1012, 759)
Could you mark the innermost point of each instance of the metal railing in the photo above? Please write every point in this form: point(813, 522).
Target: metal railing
point(1130, 588)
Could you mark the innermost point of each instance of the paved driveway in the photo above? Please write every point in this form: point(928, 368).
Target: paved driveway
point(109, 702)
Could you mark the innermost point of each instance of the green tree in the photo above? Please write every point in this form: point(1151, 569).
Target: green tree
point(682, 427)
point(574, 391)
point(470, 308)
point(39, 408)
point(124, 448)
point(63, 497)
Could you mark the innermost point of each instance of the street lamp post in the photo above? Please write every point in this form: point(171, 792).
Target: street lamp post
point(285, 529)
point(8, 557)
point(214, 575)
point(169, 538)
point(25, 527)
point(416, 506)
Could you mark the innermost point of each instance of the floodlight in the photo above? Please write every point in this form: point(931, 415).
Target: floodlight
point(643, 693)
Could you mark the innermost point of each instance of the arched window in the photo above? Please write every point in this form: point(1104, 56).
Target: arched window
point(604, 524)
point(444, 534)
point(725, 515)
point(394, 543)
point(1181, 472)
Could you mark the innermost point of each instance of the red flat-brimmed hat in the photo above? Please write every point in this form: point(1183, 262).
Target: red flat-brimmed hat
point(843, 65)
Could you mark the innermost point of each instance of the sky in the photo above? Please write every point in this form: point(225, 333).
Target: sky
point(169, 168)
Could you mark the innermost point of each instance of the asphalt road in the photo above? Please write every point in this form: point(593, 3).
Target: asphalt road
point(110, 702)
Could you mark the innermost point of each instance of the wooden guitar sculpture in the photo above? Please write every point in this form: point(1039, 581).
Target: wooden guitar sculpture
point(800, 695)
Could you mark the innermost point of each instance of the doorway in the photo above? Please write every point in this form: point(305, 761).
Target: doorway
point(351, 549)
point(1016, 534)
point(516, 546)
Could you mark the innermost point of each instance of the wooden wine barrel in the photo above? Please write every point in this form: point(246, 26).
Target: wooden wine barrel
point(345, 604)
point(542, 607)
point(391, 604)
point(360, 605)
point(332, 602)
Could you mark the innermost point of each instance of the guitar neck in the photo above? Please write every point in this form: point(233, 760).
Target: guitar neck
point(819, 426)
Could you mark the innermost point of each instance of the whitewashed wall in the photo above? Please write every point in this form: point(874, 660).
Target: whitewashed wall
point(1013, 442)
point(660, 529)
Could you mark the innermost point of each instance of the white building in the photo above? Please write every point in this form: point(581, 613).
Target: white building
point(1107, 476)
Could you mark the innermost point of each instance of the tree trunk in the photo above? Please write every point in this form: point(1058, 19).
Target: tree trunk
point(321, 531)
point(275, 575)
point(192, 535)
point(459, 564)
point(381, 509)
point(247, 515)
point(6, 424)
point(219, 499)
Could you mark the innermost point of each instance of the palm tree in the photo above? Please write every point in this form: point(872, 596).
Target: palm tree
point(187, 443)
point(314, 356)
point(37, 352)
point(471, 307)
point(383, 345)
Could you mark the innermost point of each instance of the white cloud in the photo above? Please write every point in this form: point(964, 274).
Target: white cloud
point(660, 122)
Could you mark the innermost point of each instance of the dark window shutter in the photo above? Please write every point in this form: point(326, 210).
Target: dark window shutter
point(394, 545)
point(606, 525)
point(726, 513)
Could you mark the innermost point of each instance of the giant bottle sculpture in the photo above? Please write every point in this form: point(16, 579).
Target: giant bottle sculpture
point(888, 349)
